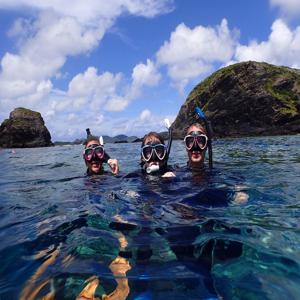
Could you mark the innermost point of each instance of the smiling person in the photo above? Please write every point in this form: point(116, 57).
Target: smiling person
point(94, 156)
point(196, 142)
point(154, 155)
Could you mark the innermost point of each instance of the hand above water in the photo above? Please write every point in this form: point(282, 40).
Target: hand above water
point(114, 165)
point(169, 174)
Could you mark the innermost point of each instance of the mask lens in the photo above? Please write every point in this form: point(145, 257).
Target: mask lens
point(88, 154)
point(160, 151)
point(99, 151)
point(147, 152)
point(201, 140)
point(189, 141)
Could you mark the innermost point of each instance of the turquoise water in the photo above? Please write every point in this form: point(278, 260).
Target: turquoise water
point(185, 238)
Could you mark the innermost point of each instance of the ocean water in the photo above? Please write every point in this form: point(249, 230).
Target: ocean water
point(229, 233)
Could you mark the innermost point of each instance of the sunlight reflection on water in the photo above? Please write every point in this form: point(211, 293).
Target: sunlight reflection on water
point(177, 238)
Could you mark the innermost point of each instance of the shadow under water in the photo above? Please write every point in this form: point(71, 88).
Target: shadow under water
point(229, 233)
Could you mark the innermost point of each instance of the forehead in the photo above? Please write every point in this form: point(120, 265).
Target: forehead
point(92, 142)
point(195, 128)
point(151, 139)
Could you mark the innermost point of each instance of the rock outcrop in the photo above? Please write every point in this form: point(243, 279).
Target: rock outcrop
point(246, 99)
point(24, 128)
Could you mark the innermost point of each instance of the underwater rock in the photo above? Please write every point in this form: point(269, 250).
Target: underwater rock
point(24, 129)
point(245, 99)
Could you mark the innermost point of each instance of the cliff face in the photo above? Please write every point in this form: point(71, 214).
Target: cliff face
point(246, 99)
point(24, 128)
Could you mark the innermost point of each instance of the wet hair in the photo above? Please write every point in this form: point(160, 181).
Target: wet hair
point(151, 135)
point(198, 125)
point(90, 138)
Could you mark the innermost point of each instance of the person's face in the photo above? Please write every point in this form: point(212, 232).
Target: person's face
point(152, 140)
point(196, 155)
point(95, 165)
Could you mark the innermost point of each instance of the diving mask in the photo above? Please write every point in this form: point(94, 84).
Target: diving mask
point(93, 151)
point(194, 139)
point(149, 150)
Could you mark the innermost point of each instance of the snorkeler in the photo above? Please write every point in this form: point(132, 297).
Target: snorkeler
point(94, 156)
point(154, 155)
point(196, 142)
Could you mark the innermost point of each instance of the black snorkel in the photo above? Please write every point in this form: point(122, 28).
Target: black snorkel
point(207, 124)
point(168, 125)
point(88, 132)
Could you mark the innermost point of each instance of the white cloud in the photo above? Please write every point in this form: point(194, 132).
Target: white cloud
point(139, 126)
point(289, 8)
point(104, 90)
point(145, 74)
point(116, 103)
point(93, 87)
point(102, 124)
point(44, 47)
point(281, 48)
point(145, 115)
point(71, 117)
point(192, 52)
point(93, 10)
point(44, 53)
point(55, 31)
point(61, 29)
point(58, 30)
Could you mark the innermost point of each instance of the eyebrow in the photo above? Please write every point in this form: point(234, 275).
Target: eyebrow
point(196, 131)
point(94, 144)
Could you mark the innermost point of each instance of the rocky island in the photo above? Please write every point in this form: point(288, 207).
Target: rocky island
point(24, 128)
point(246, 99)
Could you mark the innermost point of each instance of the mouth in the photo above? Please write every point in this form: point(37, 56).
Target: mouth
point(95, 163)
point(153, 163)
point(196, 153)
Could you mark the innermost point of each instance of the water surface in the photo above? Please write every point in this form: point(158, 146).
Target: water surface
point(185, 237)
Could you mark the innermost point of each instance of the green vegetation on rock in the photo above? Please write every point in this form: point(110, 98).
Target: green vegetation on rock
point(245, 99)
point(24, 128)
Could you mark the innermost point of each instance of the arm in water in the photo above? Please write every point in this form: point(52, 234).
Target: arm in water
point(119, 267)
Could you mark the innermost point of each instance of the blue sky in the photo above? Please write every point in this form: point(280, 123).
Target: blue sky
point(122, 66)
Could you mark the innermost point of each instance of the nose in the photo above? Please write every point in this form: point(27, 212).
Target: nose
point(153, 156)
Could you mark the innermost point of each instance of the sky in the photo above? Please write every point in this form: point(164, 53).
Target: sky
point(123, 66)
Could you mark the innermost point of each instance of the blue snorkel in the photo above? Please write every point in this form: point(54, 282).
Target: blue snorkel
point(202, 116)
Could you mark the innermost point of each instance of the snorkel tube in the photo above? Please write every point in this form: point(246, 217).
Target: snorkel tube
point(106, 157)
point(207, 124)
point(152, 169)
point(168, 125)
point(88, 132)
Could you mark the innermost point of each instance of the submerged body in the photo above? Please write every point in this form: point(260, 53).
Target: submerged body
point(56, 211)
